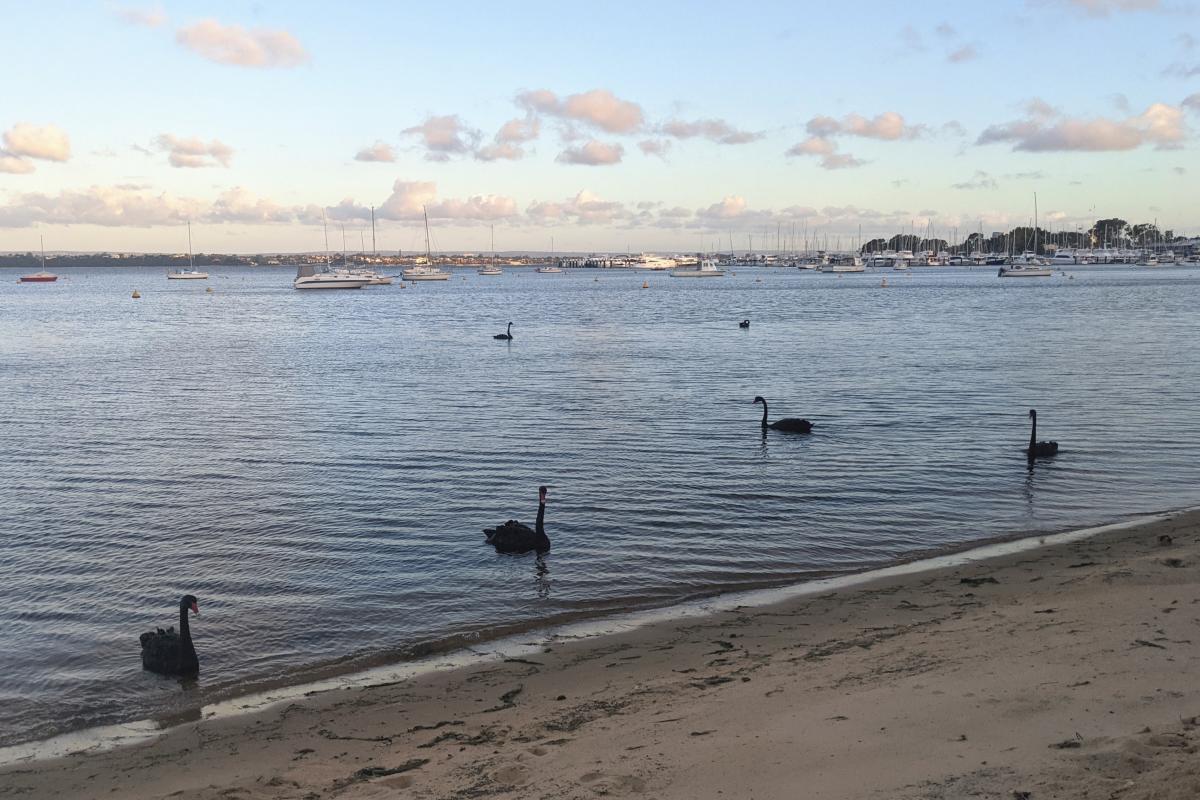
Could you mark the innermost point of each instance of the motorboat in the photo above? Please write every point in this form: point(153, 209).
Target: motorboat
point(652, 262)
point(1026, 265)
point(707, 268)
point(847, 264)
point(549, 269)
point(424, 272)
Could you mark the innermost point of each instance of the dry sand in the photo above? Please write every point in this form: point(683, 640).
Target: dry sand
point(1064, 672)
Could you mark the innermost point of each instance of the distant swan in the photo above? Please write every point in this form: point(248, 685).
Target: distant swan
point(788, 425)
point(505, 335)
point(513, 537)
point(744, 323)
point(171, 653)
point(1038, 449)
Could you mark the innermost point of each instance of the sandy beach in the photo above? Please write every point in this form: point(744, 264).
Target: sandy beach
point(1061, 672)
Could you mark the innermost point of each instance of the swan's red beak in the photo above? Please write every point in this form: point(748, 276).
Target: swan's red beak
point(195, 608)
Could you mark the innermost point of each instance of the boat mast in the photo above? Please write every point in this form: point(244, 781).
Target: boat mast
point(191, 261)
point(42, 239)
point(325, 226)
point(492, 229)
point(428, 255)
point(373, 250)
point(1035, 229)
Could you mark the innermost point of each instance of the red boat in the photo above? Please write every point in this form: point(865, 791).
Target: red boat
point(39, 277)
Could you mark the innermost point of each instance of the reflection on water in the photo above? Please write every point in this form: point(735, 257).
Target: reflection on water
point(316, 468)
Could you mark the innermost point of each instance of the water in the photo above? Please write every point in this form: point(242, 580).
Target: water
point(317, 467)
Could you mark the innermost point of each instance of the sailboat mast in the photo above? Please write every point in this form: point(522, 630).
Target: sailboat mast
point(191, 261)
point(492, 230)
point(325, 227)
point(428, 255)
point(1035, 227)
point(42, 239)
point(373, 250)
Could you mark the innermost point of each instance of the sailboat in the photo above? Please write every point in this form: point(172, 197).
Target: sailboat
point(426, 271)
point(189, 274)
point(490, 268)
point(307, 276)
point(1028, 264)
point(43, 276)
point(552, 267)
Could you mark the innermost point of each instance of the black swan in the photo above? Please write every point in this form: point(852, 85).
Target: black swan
point(171, 653)
point(506, 335)
point(744, 323)
point(1038, 449)
point(788, 425)
point(513, 537)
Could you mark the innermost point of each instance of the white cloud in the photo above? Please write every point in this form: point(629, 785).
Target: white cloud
point(97, 205)
point(408, 198)
point(888, 126)
point(655, 147)
point(508, 140)
point(585, 208)
point(234, 45)
point(717, 130)
point(965, 53)
point(1045, 130)
point(593, 154)
point(193, 152)
point(599, 108)
point(826, 150)
point(1103, 8)
point(444, 137)
point(15, 165)
point(1192, 101)
point(380, 151)
point(47, 142)
point(980, 180)
point(151, 17)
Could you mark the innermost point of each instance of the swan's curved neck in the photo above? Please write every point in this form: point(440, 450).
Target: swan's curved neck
point(1033, 430)
point(540, 528)
point(764, 422)
point(185, 633)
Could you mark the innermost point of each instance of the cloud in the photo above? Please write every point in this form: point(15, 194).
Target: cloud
point(193, 152)
point(1179, 170)
point(592, 154)
point(234, 45)
point(599, 108)
point(585, 208)
point(980, 180)
point(888, 126)
point(444, 137)
point(409, 198)
point(1192, 101)
point(151, 17)
point(380, 151)
point(1045, 130)
point(1035, 175)
point(1181, 70)
point(655, 147)
point(826, 150)
point(1103, 8)
point(48, 143)
point(240, 205)
point(97, 205)
point(508, 140)
point(716, 130)
point(946, 30)
point(15, 165)
point(965, 53)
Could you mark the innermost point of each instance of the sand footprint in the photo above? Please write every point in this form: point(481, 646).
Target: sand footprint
point(513, 775)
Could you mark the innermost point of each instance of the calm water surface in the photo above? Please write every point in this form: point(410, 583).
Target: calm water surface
point(317, 467)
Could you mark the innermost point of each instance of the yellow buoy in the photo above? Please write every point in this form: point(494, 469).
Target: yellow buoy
point(645, 284)
point(136, 294)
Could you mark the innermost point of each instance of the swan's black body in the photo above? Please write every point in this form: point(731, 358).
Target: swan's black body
point(788, 425)
point(170, 653)
point(506, 335)
point(1038, 449)
point(744, 323)
point(513, 537)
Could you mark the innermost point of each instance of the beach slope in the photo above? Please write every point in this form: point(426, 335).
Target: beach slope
point(1062, 672)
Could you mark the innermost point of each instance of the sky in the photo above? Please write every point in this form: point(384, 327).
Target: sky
point(597, 127)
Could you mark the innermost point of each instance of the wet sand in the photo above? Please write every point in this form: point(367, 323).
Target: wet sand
point(1064, 672)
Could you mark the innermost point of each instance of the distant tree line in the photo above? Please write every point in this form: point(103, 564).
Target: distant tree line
point(1113, 232)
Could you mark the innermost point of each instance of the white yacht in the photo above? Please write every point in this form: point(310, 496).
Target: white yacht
point(307, 277)
point(707, 268)
point(426, 271)
point(1026, 265)
point(490, 268)
point(652, 262)
point(848, 264)
point(191, 273)
point(373, 278)
point(549, 269)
